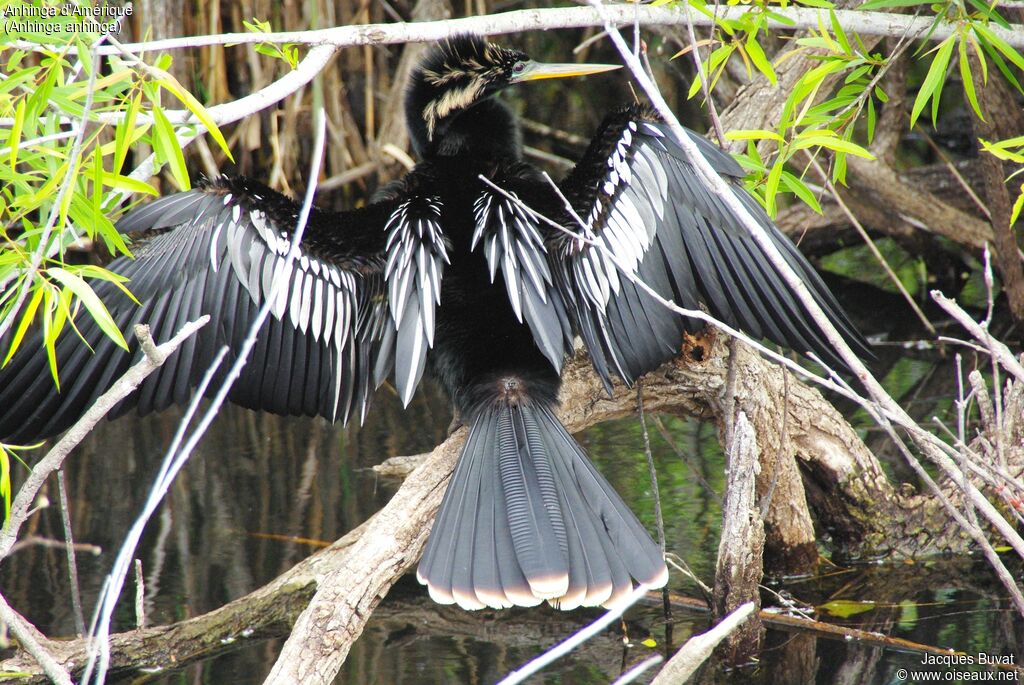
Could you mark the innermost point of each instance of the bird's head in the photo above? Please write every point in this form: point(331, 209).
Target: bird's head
point(459, 75)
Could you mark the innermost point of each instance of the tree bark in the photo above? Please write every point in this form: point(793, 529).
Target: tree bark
point(739, 569)
point(1004, 119)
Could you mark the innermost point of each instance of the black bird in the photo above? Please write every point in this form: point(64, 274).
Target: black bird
point(445, 272)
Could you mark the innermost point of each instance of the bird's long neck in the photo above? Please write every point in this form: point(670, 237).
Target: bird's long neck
point(486, 128)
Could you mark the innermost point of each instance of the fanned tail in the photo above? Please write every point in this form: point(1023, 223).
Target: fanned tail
point(528, 518)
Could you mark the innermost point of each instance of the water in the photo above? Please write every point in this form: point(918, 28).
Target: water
point(261, 490)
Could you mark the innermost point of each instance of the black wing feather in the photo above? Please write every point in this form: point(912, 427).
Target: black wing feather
point(643, 200)
point(214, 251)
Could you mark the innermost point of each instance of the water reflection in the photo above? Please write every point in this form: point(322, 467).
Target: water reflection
point(261, 490)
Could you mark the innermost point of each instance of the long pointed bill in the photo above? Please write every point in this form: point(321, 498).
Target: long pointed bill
point(538, 70)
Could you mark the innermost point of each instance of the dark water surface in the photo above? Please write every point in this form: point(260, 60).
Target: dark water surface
point(258, 483)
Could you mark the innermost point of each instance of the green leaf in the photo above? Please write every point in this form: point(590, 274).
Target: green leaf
point(832, 143)
point(837, 29)
point(198, 110)
point(91, 301)
point(760, 60)
point(807, 87)
point(798, 188)
point(845, 608)
point(754, 134)
point(123, 132)
point(717, 57)
point(932, 85)
point(981, 56)
point(28, 315)
point(871, 120)
point(97, 183)
point(967, 78)
point(5, 484)
point(839, 169)
point(771, 188)
point(1001, 66)
point(128, 183)
point(167, 147)
point(908, 615)
point(999, 44)
point(1017, 206)
point(782, 18)
point(14, 139)
point(1002, 149)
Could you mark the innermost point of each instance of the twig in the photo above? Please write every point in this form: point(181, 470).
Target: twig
point(65, 517)
point(548, 157)
point(140, 596)
point(869, 638)
point(578, 638)
point(716, 123)
point(698, 648)
point(554, 133)
point(37, 541)
point(951, 168)
point(348, 176)
point(658, 518)
point(997, 349)
point(638, 670)
point(667, 437)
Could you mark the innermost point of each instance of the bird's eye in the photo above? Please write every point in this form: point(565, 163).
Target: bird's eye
point(519, 67)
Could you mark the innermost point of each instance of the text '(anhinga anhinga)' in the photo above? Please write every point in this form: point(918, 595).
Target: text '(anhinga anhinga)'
point(445, 272)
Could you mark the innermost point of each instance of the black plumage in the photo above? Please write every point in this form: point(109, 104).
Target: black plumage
point(443, 271)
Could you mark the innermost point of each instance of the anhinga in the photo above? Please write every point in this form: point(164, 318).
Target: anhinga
point(445, 272)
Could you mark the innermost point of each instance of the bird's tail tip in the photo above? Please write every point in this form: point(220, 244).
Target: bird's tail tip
point(528, 519)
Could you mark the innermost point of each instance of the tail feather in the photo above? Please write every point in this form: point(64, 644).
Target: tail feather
point(590, 581)
point(513, 584)
point(621, 527)
point(527, 518)
point(486, 578)
point(463, 589)
point(532, 506)
point(438, 560)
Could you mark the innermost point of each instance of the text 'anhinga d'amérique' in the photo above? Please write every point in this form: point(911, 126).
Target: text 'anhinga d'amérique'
point(443, 272)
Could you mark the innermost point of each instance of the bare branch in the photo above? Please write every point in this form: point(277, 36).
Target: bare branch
point(697, 649)
point(996, 348)
point(28, 640)
point(866, 23)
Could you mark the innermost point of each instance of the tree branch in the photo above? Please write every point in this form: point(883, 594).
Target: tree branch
point(699, 647)
point(867, 23)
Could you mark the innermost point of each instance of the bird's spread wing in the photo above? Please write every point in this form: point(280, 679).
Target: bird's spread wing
point(218, 251)
point(647, 213)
